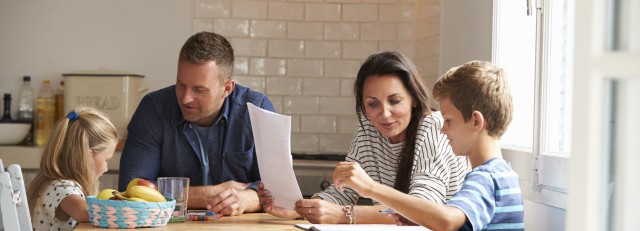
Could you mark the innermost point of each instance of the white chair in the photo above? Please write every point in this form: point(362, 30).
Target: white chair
point(14, 209)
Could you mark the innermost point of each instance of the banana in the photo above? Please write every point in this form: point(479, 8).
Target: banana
point(136, 199)
point(145, 193)
point(119, 195)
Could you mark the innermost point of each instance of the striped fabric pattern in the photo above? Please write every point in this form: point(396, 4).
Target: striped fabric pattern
point(490, 197)
point(436, 173)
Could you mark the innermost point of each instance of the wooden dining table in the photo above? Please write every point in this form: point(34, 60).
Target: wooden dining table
point(244, 222)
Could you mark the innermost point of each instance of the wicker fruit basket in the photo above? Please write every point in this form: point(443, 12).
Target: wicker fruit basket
point(127, 214)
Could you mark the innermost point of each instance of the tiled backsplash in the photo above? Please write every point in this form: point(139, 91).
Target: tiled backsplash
point(305, 54)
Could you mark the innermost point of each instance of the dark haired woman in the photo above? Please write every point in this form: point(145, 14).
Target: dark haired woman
point(398, 143)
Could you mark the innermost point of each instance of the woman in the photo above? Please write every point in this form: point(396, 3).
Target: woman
point(398, 143)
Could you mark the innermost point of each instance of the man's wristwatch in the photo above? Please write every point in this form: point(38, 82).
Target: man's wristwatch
point(253, 186)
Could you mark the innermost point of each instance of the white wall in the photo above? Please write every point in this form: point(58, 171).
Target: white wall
point(465, 32)
point(45, 39)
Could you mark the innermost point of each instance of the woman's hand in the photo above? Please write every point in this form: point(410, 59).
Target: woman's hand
point(319, 211)
point(266, 200)
point(352, 175)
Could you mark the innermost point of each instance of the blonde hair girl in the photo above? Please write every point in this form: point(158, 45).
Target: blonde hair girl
point(73, 160)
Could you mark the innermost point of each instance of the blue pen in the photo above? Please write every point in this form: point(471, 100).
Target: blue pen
point(387, 211)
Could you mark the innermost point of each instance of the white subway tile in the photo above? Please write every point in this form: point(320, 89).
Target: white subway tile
point(231, 27)
point(322, 49)
point(241, 66)
point(405, 31)
point(346, 87)
point(358, 49)
point(404, 47)
point(202, 24)
point(347, 124)
point(378, 31)
point(295, 124)
point(254, 82)
point(427, 8)
point(277, 102)
point(428, 46)
point(249, 47)
point(249, 9)
point(301, 105)
point(286, 48)
point(268, 29)
point(286, 11)
point(265, 66)
point(337, 105)
point(304, 30)
point(318, 124)
point(342, 1)
point(341, 68)
point(304, 67)
point(380, 1)
point(301, 142)
point(322, 12)
point(360, 12)
point(396, 12)
point(334, 143)
point(284, 86)
point(341, 31)
point(320, 87)
point(427, 27)
point(213, 8)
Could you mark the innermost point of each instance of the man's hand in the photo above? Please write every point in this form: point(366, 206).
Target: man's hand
point(232, 202)
point(266, 200)
point(318, 211)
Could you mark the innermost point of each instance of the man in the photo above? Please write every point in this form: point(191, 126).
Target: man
point(198, 128)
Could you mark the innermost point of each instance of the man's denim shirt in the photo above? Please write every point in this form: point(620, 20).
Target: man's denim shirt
point(160, 143)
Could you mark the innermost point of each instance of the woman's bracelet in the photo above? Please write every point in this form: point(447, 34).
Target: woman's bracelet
point(349, 213)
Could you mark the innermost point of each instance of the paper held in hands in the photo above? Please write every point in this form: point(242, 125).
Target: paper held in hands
point(272, 137)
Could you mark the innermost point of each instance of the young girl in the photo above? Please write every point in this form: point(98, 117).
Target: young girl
point(73, 160)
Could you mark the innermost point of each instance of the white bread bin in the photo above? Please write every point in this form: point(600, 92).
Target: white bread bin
point(115, 93)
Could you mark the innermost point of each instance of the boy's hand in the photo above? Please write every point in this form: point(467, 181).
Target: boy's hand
point(402, 221)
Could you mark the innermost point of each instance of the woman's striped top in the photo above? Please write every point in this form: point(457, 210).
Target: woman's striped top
point(436, 173)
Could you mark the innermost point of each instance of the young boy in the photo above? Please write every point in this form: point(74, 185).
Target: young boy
point(476, 104)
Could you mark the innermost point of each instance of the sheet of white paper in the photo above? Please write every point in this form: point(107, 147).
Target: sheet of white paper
point(272, 137)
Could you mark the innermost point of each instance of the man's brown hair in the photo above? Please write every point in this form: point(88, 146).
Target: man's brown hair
point(207, 46)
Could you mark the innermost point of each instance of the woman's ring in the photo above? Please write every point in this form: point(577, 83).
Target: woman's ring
point(309, 210)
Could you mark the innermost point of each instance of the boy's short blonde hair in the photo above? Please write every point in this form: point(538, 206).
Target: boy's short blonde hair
point(478, 86)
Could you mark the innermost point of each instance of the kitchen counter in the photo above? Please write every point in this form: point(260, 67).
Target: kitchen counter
point(29, 158)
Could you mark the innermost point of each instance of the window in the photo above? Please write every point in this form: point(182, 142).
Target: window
point(536, 50)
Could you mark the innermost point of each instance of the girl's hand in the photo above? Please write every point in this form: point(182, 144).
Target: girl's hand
point(318, 211)
point(352, 175)
point(266, 200)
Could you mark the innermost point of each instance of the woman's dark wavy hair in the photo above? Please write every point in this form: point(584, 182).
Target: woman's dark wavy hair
point(394, 63)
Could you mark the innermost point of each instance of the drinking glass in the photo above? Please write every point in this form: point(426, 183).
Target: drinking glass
point(178, 189)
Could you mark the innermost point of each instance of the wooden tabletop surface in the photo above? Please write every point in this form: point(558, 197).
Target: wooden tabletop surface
point(249, 221)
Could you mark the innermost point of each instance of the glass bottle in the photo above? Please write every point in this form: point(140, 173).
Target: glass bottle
point(45, 113)
point(59, 97)
point(26, 99)
point(6, 116)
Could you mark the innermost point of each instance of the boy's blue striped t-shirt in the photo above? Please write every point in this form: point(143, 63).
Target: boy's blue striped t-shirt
point(490, 197)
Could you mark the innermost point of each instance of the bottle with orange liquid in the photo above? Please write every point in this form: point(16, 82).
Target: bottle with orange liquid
point(45, 113)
